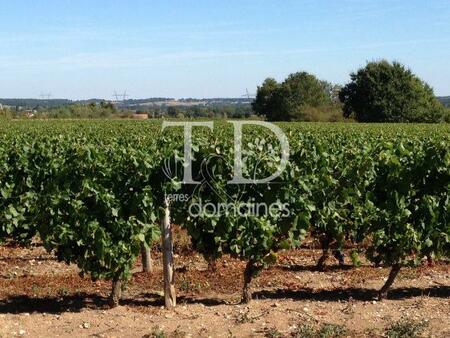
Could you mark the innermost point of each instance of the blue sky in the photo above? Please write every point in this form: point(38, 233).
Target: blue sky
point(198, 48)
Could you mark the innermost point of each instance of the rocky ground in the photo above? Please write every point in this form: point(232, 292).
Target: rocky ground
point(40, 297)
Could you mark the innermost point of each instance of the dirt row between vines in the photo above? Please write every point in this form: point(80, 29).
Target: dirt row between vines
point(40, 297)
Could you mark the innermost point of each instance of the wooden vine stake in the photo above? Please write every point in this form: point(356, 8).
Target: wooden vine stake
point(168, 270)
point(147, 264)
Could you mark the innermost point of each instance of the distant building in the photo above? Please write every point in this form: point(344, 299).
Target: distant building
point(140, 116)
point(30, 113)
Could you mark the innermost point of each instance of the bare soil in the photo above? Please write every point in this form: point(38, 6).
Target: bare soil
point(40, 297)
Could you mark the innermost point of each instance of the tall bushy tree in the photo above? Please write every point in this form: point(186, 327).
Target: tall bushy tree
point(286, 101)
point(265, 97)
point(389, 92)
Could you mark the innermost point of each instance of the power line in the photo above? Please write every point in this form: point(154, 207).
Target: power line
point(248, 95)
point(120, 97)
point(46, 96)
point(116, 96)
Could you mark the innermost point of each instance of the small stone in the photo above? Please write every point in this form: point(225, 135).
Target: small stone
point(86, 325)
point(22, 332)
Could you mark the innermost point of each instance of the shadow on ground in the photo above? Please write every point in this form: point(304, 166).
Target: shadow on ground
point(70, 303)
point(359, 294)
point(314, 268)
point(80, 301)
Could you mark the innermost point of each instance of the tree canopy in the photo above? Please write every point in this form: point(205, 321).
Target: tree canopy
point(389, 92)
point(289, 100)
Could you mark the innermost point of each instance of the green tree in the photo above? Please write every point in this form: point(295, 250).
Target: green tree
point(265, 97)
point(287, 101)
point(389, 92)
point(173, 111)
point(5, 113)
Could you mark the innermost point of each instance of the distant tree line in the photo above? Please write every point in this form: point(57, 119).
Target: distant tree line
point(445, 100)
point(94, 108)
point(34, 103)
point(200, 111)
point(85, 111)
